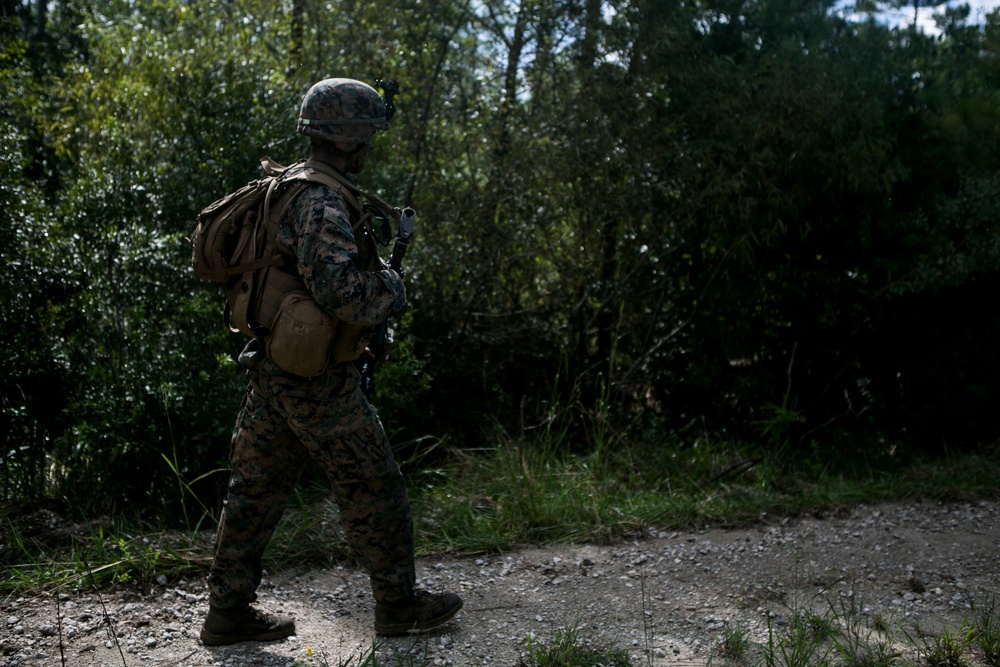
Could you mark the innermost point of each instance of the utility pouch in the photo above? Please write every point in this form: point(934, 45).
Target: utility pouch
point(276, 284)
point(253, 299)
point(240, 295)
point(351, 341)
point(301, 335)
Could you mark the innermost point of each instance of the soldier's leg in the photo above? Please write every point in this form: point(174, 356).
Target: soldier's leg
point(374, 507)
point(376, 515)
point(267, 459)
point(343, 433)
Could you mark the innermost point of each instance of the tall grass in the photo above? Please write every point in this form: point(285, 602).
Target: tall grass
point(104, 557)
point(539, 488)
point(987, 624)
point(535, 486)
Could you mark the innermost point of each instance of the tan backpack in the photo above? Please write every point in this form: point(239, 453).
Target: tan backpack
point(234, 243)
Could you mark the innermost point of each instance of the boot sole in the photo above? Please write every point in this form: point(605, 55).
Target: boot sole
point(211, 639)
point(391, 629)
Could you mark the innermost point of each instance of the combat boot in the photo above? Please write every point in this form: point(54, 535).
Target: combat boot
point(240, 624)
point(420, 612)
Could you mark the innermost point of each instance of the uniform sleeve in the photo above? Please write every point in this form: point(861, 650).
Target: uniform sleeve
point(318, 228)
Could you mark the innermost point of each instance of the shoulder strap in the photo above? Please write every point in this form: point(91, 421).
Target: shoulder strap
point(313, 171)
point(299, 175)
point(292, 181)
point(316, 168)
point(318, 172)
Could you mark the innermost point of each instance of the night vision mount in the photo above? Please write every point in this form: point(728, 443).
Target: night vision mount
point(389, 90)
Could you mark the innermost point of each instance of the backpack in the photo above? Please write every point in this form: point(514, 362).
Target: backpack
point(230, 233)
point(234, 243)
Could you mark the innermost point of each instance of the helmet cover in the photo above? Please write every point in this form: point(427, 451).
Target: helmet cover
point(343, 110)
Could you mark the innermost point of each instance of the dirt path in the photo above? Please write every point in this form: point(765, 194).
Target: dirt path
point(665, 598)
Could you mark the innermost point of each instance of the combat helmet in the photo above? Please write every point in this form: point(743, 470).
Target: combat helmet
point(342, 110)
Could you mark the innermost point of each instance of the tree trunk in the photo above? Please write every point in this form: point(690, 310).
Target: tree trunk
point(295, 45)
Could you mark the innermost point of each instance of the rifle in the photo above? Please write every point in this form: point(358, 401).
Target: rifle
point(382, 340)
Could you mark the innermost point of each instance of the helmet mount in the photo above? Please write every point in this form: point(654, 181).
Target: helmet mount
point(389, 90)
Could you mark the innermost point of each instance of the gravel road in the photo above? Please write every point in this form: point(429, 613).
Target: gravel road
point(665, 598)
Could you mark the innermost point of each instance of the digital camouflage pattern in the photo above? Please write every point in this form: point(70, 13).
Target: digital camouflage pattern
point(286, 420)
point(342, 110)
point(284, 423)
point(329, 260)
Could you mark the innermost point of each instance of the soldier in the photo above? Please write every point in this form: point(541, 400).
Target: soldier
point(286, 420)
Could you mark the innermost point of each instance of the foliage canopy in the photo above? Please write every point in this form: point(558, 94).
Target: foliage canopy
point(767, 220)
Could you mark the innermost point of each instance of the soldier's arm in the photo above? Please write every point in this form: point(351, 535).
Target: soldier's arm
point(327, 255)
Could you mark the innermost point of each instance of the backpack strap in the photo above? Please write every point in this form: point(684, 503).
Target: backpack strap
point(266, 258)
point(316, 168)
point(361, 224)
point(312, 171)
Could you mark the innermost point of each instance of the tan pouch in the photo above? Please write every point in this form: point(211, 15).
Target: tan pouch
point(239, 298)
point(255, 297)
point(301, 336)
point(275, 286)
point(351, 341)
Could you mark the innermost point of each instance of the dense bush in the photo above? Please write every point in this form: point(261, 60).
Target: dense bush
point(767, 221)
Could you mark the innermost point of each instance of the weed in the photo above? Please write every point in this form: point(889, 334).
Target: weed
point(987, 629)
point(807, 643)
point(868, 651)
point(734, 646)
point(168, 392)
point(861, 643)
point(947, 648)
point(568, 648)
point(800, 642)
point(820, 627)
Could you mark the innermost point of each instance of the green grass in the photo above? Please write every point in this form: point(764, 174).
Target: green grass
point(864, 641)
point(987, 626)
point(734, 646)
point(847, 635)
point(537, 490)
point(947, 648)
point(102, 558)
point(569, 648)
point(804, 641)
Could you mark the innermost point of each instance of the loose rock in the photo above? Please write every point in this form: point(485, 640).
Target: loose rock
point(667, 598)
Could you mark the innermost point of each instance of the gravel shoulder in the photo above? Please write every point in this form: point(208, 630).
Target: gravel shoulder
point(665, 598)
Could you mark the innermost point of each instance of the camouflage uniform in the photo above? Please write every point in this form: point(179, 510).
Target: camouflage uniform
point(286, 420)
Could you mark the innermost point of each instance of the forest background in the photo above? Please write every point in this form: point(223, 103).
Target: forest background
point(642, 225)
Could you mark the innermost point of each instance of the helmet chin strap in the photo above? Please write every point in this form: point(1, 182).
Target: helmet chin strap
point(352, 160)
point(347, 155)
point(355, 159)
